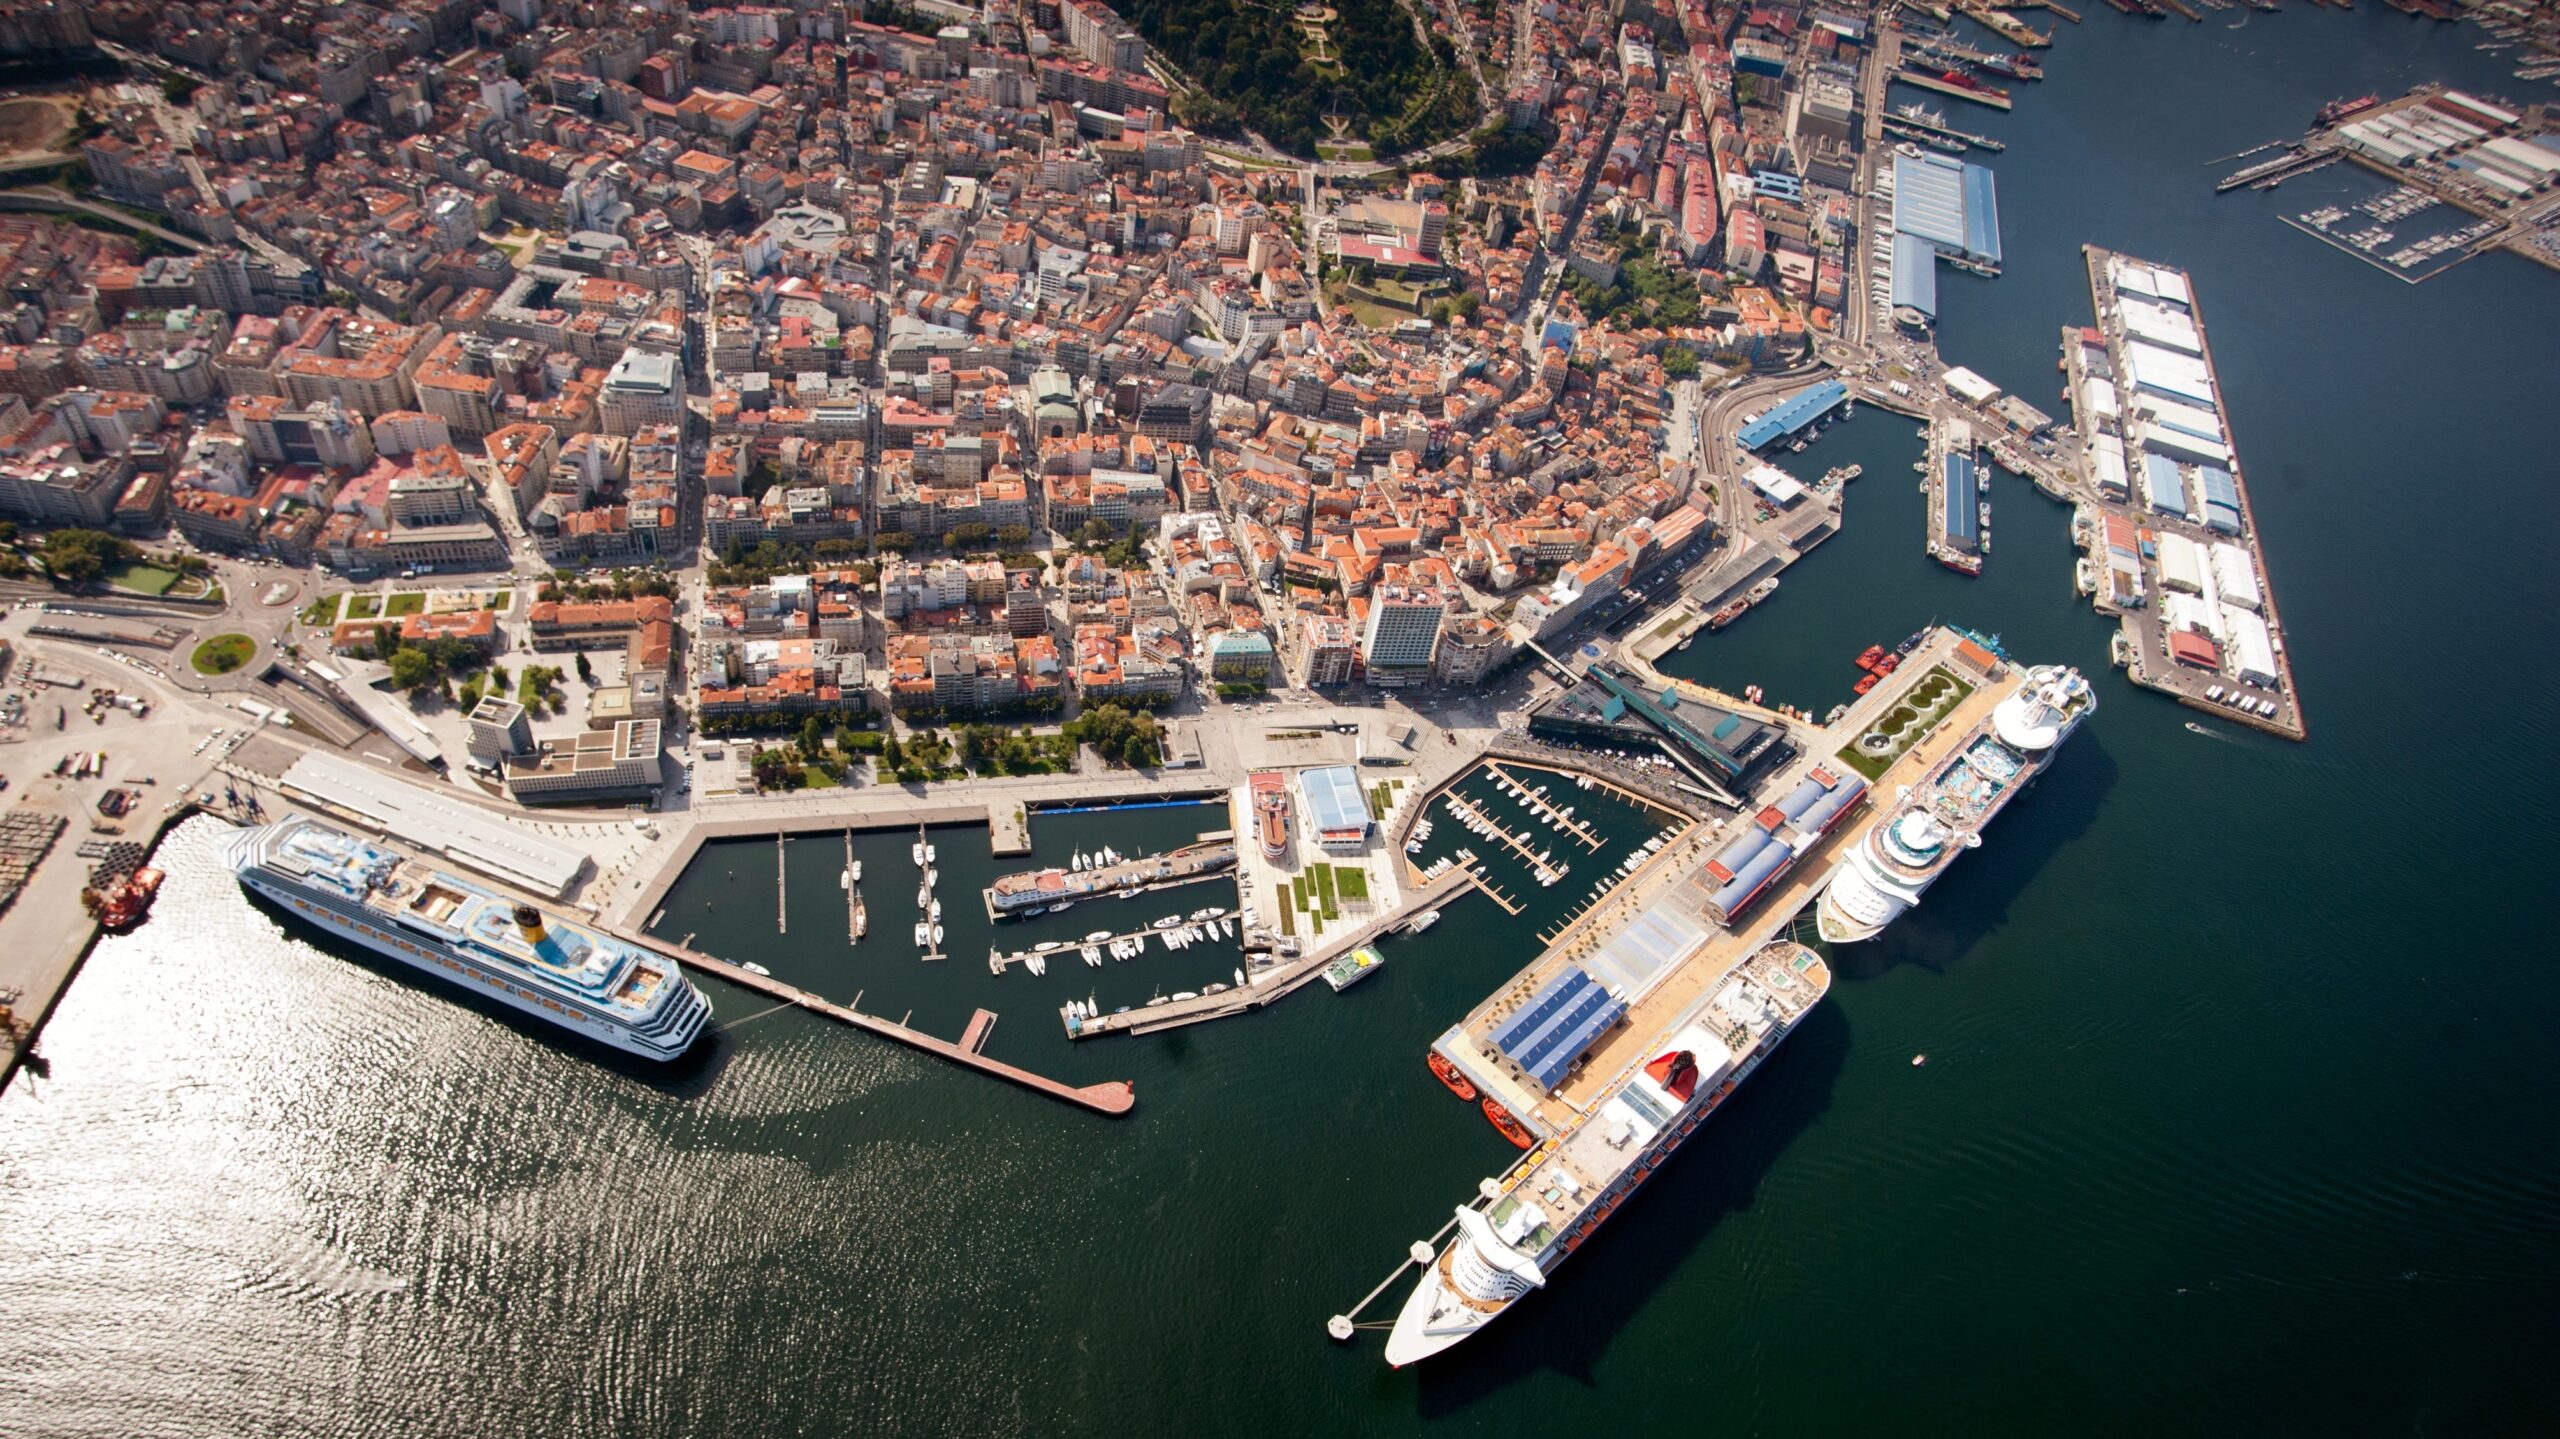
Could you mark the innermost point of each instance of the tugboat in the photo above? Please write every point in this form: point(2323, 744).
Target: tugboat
point(1887, 665)
point(1867, 657)
point(1866, 684)
point(1458, 1083)
point(1511, 1128)
point(123, 904)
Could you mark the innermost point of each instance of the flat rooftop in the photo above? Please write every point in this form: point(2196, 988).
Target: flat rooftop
point(433, 823)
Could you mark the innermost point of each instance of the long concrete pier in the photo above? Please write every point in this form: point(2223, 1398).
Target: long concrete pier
point(1115, 1096)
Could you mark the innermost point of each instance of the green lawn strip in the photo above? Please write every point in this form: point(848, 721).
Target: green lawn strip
point(406, 602)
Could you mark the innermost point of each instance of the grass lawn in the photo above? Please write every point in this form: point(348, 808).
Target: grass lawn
point(141, 578)
point(364, 607)
point(1324, 891)
point(502, 601)
point(1354, 883)
point(321, 611)
point(222, 654)
point(406, 602)
point(812, 777)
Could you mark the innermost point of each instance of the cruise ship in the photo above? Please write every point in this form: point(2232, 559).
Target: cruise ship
point(1545, 1209)
point(1944, 814)
point(396, 904)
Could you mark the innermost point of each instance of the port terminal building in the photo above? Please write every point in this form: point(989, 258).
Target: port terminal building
point(1733, 753)
point(1949, 205)
point(1794, 414)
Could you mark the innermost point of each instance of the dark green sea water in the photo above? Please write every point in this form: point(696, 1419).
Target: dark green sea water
point(2236, 1118)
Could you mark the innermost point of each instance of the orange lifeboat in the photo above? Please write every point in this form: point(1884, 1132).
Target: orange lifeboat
point(1868, 657)
point(1511, 1128)
point(1458, 1083)
point(1865, 685)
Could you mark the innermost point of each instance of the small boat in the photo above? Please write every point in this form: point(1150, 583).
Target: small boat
point(844, 879)
point(934, 909)
point(1867, 657)
point(1092, 956)
point(1213, 912)
point(1098, 936)
point(1037, 966)
point(1888, 665)
point(1181, 994)
point(1918, 1060)
point(916, 852)
point(857, 871)
point(1046, 945)
point(924, 935)
point(937, 934)
point(1213, 989)
point(751, 967)
point(1512, 1129)
point(1239, 979)
point(1168, 922)
point(1450, 1075)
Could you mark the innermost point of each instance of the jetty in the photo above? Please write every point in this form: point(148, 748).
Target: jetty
point(1539, 806)
point(1112, 1096)
point(1467, 809)
point(998, 961)
point(781, 893)
point(1991, 95)
point(1272, 983)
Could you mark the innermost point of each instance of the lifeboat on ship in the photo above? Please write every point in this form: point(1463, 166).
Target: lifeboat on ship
point(1449, 1075)
point(1512, 1129)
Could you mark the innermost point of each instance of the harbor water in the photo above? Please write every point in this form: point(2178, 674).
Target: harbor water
point(2231, 1121)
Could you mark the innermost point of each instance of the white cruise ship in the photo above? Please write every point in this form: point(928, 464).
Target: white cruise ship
point(396, 904)
point(1944, 814)
point(1536, 1217)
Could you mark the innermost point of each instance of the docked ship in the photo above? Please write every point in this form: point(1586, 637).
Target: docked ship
point(1352, 968)
point(1944, 814)
point(397, 904)
point(2339, 109)
point(1507, 1248)
point(1741, 606)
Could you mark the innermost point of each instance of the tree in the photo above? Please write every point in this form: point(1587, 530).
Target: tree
point(77, 556)
point(968, 534)
point(813, 737)
point(412, 669)
point(1014, 537)
point(1679, 362)
point(586, 671)
point(471, 693)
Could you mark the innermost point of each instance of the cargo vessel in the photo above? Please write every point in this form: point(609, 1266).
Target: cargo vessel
point(2339, 109)
point(1573, 1182)
point(398, 905)
point(1943, 815)
point(121, 905)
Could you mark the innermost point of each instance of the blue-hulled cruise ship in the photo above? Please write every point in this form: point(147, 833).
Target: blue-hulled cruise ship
point(396, 904)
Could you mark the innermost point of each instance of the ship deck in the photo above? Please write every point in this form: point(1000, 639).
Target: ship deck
point(1676, 878)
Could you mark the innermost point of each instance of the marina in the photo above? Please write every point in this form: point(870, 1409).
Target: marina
point(1056, 889)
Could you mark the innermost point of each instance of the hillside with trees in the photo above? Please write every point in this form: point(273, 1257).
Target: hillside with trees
point(1254, 70)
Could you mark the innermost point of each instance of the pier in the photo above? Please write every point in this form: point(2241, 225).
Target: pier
point(2142, 641)
point(1997, 99)
point(853, 916)
point(1949, 132)
point(998, 961)
point(1467, 809)
point(1033, 891)
point(1262, 989)
point(781, 894)
point(1539, 806)
point(1113, 1096)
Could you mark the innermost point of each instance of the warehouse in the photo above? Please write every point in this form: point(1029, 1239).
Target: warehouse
point(1949, 204)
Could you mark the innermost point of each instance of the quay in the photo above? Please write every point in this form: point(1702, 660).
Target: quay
point(1991, 95)
point(2007, 26)
point(1114, 1096)
point(2185, 629)
point(1957, 538)
point(1925, 130)
point(1031, 891)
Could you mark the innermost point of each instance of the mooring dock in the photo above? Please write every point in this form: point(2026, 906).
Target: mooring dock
point(1263, 988)
point(1115, 1096)
point(1032, 891)
point(1539, 806)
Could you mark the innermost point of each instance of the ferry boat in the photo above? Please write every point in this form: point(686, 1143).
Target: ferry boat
point(1352, 968)
point(1423, 921)
point(1944, 814)
point(398, 904)
point(1547, 1208)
